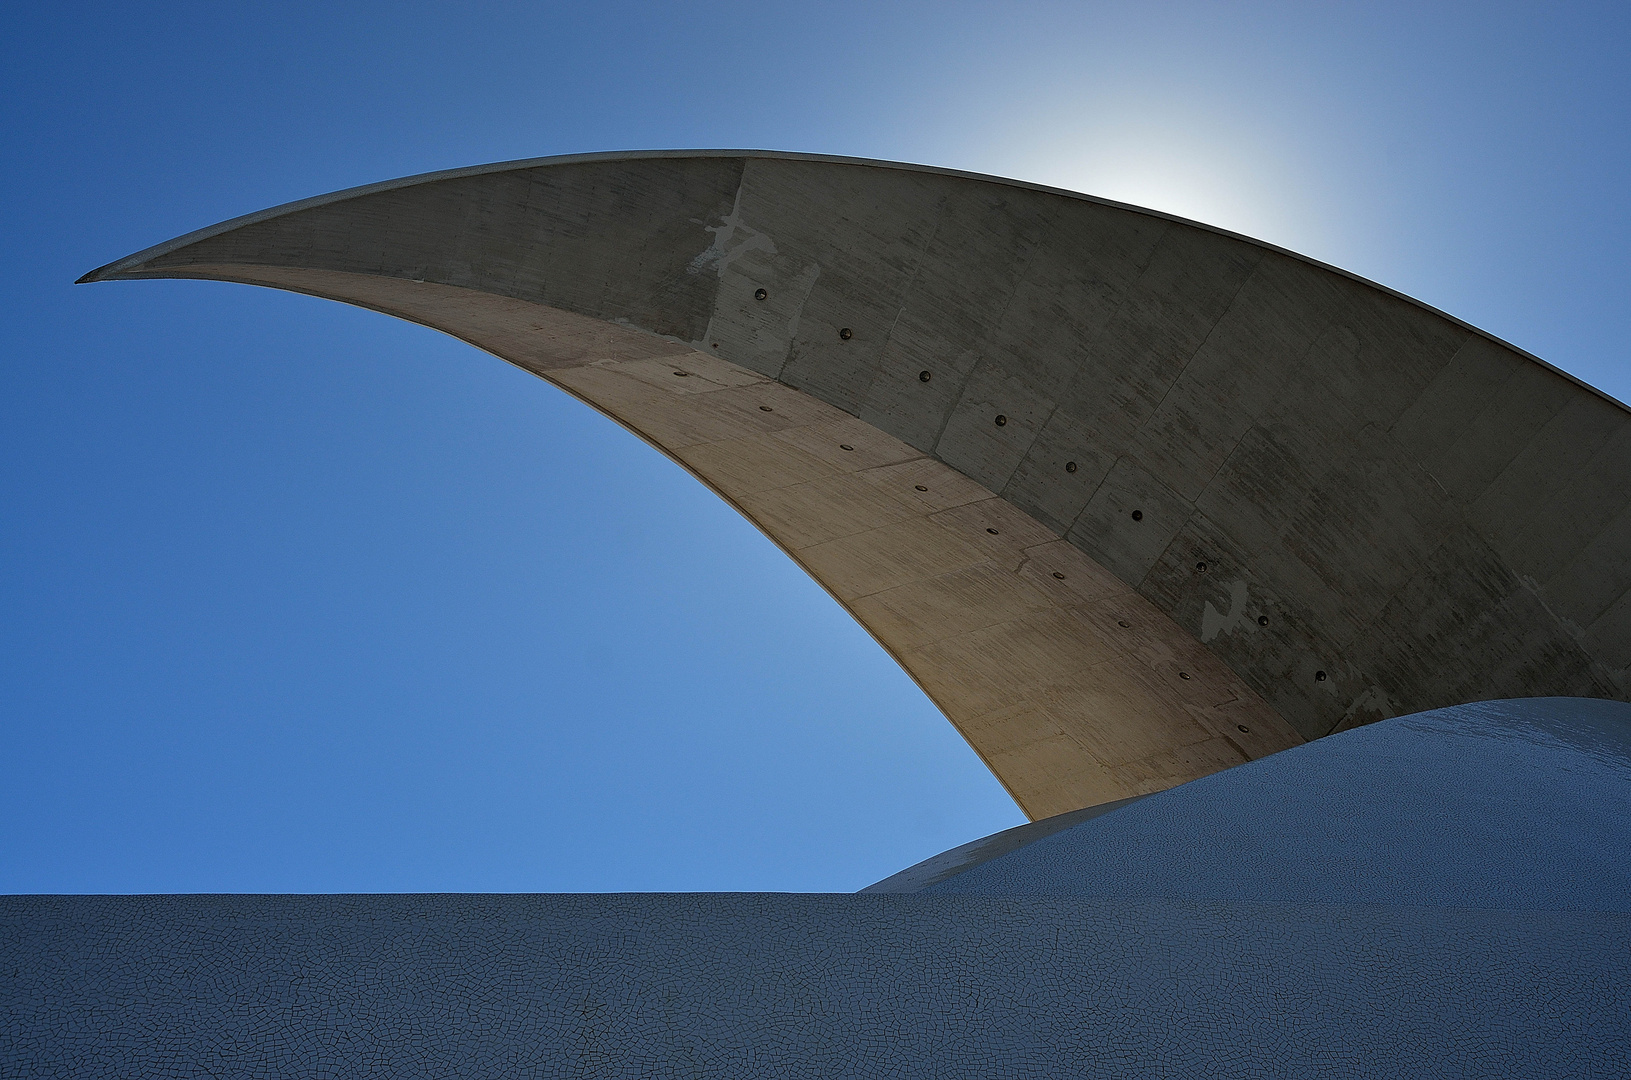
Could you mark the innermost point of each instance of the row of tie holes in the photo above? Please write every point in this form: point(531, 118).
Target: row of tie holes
point(845, 334)
point(1137, 515)
point(1263, 620)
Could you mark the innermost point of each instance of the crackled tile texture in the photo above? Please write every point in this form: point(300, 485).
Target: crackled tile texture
point(1500, 804)
point(753, 985)
point(1340, 910)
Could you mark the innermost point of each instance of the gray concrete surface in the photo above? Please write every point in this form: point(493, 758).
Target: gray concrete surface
point(1278, 501)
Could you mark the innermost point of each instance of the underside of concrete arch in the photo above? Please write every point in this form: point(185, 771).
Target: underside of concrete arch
point(1132, 499)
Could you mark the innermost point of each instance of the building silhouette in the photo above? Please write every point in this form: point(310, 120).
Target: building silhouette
point(1294, 613)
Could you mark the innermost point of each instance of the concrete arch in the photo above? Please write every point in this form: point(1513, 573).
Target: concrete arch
point(1131, 498)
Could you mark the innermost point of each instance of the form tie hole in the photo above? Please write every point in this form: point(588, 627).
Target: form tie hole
point(1200, 568)
point(846, 333)
point(1123, 623)
point(1001, 420)
point(1262, 620)
point(1138, 515)
point(920, 487)
point(1243, 729)
point(1070, 466)
point(760, 294)
point(1183, 674)
point(766, 408)
point(1319, 676)
point(1058, 575)
point(993, 532)
point(924, 376)
point(682, 374)
point(845, 446)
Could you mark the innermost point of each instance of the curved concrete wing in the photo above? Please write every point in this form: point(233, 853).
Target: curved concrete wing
point(1132, 499)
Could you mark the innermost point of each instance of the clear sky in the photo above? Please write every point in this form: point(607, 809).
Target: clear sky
point(295, 597)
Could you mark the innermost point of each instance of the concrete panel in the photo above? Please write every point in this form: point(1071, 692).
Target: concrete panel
point(1163, 318)
point(1072, 286)
point(1577, 512)
point(1130, 520)
point(1454, 399)
point(1274, 321)
point(1060, 473)
point(1479, 629)
point(867, 240)
point(1607, 635)
point(981, 249)
point(1401, 348)
point(1594, 579)
point(1560, 449)
point(993, 424)
point(1525, 403)
point(1393, 516)
point(1226, 606)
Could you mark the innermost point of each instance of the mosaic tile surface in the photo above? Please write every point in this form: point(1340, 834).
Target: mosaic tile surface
point(778, 985)
point(1500, 804)
point(1442, 895)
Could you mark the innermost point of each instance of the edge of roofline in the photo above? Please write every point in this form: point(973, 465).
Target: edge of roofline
point(119, 267)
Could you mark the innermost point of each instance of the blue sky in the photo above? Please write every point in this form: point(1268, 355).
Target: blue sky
point(294, 597)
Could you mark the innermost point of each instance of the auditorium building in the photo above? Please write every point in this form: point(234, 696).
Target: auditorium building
point(1295, 615)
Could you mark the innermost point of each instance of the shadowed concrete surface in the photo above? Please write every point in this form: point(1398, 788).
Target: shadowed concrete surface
point(1132, 499)
point(1283, 919)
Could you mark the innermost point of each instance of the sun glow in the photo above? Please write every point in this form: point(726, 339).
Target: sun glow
point(1213, 169)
